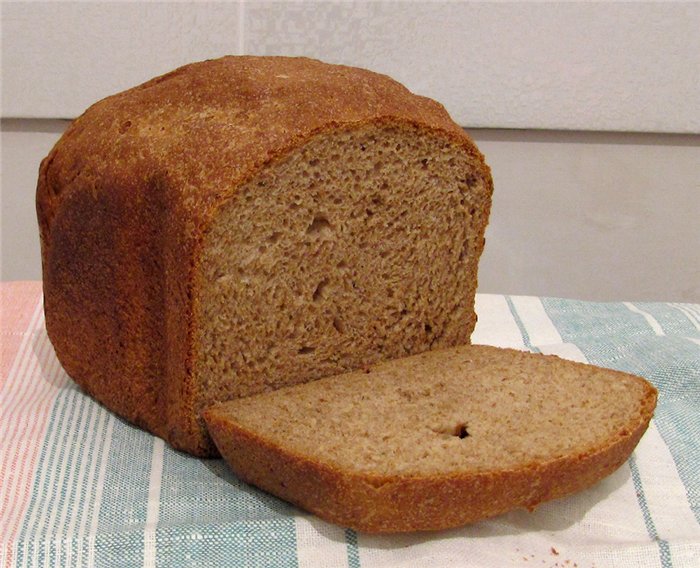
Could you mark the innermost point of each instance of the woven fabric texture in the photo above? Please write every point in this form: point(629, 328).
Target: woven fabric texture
point(81, 487)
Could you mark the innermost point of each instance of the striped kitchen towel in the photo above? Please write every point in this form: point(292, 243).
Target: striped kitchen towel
point(80, 487)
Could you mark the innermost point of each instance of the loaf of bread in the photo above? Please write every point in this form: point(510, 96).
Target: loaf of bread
point(436, 440)
point(248, 223)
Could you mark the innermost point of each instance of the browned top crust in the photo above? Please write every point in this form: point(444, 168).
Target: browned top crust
point(244, 110)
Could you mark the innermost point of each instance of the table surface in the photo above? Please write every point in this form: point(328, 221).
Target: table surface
point(80, 487)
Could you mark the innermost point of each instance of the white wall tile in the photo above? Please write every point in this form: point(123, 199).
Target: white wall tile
point(599, 216)
point(586, 66)
point(60, 57)
point(579, 66)
point(24, 144)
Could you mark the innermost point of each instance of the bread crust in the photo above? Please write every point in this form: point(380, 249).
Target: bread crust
point(404, 503)
point(127, 193)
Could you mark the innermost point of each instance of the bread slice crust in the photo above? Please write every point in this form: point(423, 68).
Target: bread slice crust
point(385, 502)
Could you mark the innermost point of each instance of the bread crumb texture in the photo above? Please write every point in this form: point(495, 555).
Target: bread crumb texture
point(361, 246)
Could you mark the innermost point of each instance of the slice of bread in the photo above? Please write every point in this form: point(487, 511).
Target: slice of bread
point(436, 440)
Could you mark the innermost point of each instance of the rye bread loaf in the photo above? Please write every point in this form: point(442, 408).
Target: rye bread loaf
point(247, 223)
point(436, 440)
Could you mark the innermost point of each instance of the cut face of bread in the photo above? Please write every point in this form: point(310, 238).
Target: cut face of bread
point(362, 245)
point(436, 440)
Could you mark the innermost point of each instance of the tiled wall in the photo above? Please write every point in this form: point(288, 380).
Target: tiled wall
point(583, 66)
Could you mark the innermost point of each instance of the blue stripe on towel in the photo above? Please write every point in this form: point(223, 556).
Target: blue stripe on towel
point(521, 326)
point(353, 550)
point(122, 516)
point(664, 550)
point(219, 520)
point(230, 543)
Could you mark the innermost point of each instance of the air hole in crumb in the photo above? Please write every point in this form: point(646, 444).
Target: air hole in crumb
point(342, 264)
point(306, 350)
point(319, 225)
point(338, 325)
point(125, 126)
point(313, 162)
point(274, 237)
point(318, 292)
point(377, 200)
point(424, 163)
point(428, 328)
point(461, 431)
